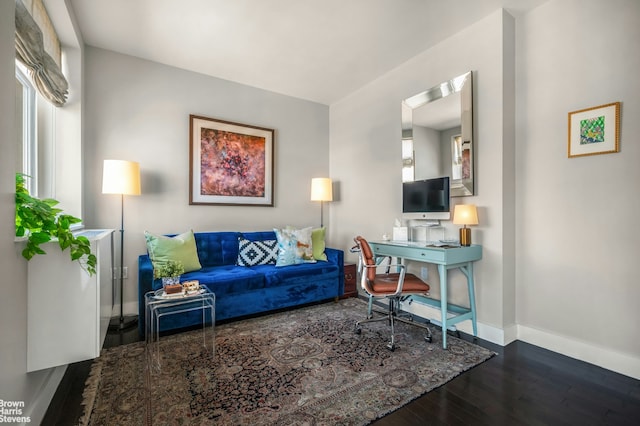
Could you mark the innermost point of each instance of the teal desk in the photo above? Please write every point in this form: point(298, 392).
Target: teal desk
point(461, 258)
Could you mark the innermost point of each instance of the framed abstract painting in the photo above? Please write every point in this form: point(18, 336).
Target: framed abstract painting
point(594, 130)
point(230, 163)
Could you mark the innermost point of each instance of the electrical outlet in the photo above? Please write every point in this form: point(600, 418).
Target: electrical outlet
point(115, 273)
point(424, 273)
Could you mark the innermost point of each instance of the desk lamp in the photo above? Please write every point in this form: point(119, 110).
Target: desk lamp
point(121, 177)
point(321, 190)
point(465, 214)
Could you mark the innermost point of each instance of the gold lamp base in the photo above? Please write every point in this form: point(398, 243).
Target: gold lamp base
point(465, 236)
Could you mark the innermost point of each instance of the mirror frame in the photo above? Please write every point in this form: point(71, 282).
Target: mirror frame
point(462, 84)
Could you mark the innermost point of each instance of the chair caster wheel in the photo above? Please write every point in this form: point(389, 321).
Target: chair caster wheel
point(358, 330)
point(429, 339)
point(391, 347)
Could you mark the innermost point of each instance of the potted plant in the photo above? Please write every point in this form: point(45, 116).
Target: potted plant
point(40, 221)
point(169, 271)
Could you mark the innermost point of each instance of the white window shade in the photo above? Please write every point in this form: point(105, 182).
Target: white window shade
point(31, 39)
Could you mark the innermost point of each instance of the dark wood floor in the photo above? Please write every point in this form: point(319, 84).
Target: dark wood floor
point(522, 385)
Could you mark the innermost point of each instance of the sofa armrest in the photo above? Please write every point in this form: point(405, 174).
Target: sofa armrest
point(145, 285)
point(337, 256)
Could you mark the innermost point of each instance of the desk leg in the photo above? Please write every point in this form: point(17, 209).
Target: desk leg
point(472, 298)
point(442, 271)
point(468, 272)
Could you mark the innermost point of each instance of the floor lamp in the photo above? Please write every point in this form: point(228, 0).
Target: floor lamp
point(121, 177)
point(321, 190)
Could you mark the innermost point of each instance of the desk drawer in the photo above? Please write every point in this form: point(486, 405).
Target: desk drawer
point(407, 252)
point(437, 255)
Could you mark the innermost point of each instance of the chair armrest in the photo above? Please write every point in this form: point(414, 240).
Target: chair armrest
point(402, 269)
point(387, 267)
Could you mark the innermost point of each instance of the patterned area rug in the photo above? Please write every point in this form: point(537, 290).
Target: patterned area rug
point(302, 367)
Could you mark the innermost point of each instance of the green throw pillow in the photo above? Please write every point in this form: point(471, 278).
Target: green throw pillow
point(180, 248)
point(317, 237)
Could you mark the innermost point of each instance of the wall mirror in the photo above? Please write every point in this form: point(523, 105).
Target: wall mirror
point(437, 135)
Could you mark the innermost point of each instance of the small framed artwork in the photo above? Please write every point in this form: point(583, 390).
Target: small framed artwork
point(230, 163)
point(594, 130)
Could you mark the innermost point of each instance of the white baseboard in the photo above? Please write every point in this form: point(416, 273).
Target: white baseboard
point(583, 351)
point(598, 355)
point(485, 332)
point(510, 334)
point(38, 408)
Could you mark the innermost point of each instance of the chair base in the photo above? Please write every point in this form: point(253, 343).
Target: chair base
point(392, 316)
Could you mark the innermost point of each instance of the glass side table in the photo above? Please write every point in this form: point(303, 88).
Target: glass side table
point(158, 306)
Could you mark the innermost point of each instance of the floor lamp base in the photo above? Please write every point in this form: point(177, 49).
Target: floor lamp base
point(124, 323)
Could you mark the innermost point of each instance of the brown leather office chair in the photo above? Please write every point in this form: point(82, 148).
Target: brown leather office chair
point(392, 286)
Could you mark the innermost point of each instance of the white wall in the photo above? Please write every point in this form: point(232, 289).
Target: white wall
point(366, 158)
point(139, 110)
point(569, 240)
point(577, 226)
point(34, 389)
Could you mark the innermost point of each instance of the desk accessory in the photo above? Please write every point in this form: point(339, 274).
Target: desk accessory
point(465, 214)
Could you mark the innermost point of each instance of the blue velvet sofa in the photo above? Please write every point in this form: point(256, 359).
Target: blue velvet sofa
point(242, 290)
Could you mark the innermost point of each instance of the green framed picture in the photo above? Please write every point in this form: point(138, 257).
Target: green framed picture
point(594, 130)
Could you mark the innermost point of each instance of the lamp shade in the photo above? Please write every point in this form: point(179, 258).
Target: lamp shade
point(321, 189)
point(465, 214)
point(121, 177)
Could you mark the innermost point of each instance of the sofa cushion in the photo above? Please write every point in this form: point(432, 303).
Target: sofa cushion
point(217, 248)
point(305, 272)
point(252, 253)
point(180, 248)
point(228, 279)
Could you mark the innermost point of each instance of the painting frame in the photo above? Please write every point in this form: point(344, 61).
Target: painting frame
point(230, 163)
point(589, 132)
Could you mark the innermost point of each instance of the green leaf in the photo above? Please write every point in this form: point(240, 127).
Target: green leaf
point(63, 222)
point(39, 237)
point(41, 221)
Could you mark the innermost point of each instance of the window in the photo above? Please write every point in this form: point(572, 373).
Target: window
point(36, 119)
point(50, 135)
point(26, 125)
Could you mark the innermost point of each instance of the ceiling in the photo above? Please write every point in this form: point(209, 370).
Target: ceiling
point(319, 50)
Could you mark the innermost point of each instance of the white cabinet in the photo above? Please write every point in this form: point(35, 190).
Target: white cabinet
point(68, 311)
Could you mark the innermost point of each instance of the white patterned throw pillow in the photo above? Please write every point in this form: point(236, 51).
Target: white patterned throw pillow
point(304, 246)
point(294, 246)
point(252, 253)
